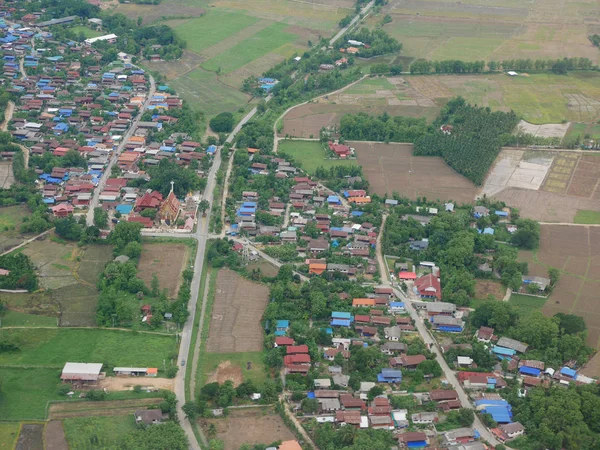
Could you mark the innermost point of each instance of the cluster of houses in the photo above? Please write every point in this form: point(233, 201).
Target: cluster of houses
point(65, 108)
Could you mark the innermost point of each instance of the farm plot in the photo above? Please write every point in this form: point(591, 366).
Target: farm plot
point(10, 220)
point(484, 288)
point(576, 252)
point(6, 175)
point(25, 392)
point(490, 30)
point(54, 436)
point(166, 8)
point(546, 185)
point(72, 409)
point(31, 436)
point(54, 347)
point(9, 432)
point(260, 426)
point(107, 431)
point(393, 168)
point(167, 261)
point(235, 321)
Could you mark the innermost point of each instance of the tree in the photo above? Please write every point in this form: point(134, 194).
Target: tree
point(375, 391)
point(203, 206)
point(498, 315)
point(466, 417)
point(488, 420)
point(310, 405)
point(554, 275)
point(154, 286)
point(100, 217)
point(191, 410)
point(123, 234)
point(222, 123)
point(133, 250)
point(570, 323)
point(527, 235)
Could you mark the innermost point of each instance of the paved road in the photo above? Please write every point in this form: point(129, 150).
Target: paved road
point(358, 17)
point(115, 155)
point(432, 343)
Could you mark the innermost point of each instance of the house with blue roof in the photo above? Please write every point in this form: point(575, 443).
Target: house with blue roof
point(60, 128)
point(340, 323)
point(529, 371)
point(281, 327)
point(568, 372)
point(167, 148)
point(211, 149)
point(356, 213)
point(503, 352)
point(396, 307)
point(342, 315)
point(334, 200)
point(124, 209)
point(501, 213)
point(486, 230)
point(389, 376)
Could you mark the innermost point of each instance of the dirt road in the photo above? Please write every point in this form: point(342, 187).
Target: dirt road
point(127, 383)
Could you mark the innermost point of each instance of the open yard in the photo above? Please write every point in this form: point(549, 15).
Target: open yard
point(10, 220)
point(97, 432)
point(259, 425)
point(167, 261)
point(237, 311)
point(546, 185)
point(393, 168)
point(311, 155)
point(54, 347)
point(483, 288)
point(492, 30)
point(237, 367)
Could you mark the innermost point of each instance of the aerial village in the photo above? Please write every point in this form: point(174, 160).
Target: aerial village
point(99, 118)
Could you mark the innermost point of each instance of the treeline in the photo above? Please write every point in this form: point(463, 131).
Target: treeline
point(142, 2)
point(471, 140)
point(384, 128)
point(559, 66)
point(378, 41)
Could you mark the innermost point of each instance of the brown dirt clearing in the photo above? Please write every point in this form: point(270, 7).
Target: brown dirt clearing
point(249, 426)
point(167, 261)
point(54, 436)
point(235, 322)
point(127, 383)
point(227, 372)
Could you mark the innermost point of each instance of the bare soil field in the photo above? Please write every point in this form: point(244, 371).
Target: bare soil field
point(54, 436)
point(393, 168)
point(151, 13)
point(127, 383)
point(549, 186)
point(235, 322)
point(167, 261)
point(265, 267)
point(6, 175)
point(68, 410)
point(483, 288)
point(548, 130)
point(227, 372)
point(174, 69)
point(575, 250)
point(31, 437)
point(249, 426)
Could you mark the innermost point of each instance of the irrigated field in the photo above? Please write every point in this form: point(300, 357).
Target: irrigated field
point(393, 168)
point(575, 250)
point(259, 426)
point(492, 30)
point(167, 261)
point(546, 185)
point(237, 311)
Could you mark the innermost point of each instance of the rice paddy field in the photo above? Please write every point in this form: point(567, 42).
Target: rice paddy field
point(492, 29)
point(230, 40)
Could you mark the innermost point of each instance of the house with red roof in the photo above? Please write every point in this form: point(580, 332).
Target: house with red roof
point(428, 286)
point(341, 150)
point(62, 210)
point(148, 200)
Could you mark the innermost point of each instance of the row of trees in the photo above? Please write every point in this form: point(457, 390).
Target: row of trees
point(471, 140)
point(559, 66)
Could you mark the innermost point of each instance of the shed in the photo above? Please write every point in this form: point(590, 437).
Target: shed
point(81, 372)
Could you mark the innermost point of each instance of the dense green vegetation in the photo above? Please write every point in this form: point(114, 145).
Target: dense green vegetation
point(378, 40)
point(471, 140)
point(22, 272)
point(595, 39)
point(364, 127)
point(559, 66)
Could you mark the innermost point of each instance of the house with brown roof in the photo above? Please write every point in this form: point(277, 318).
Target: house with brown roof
point(429, 287)
point(148, 416)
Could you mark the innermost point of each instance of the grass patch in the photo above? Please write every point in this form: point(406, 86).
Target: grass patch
point(257, 374)
point(211, 28)
point(9, 432)
point(205, 327)
point(370, 86)
point(97, 432)
point(258, 45)
point(87, 32)
point(26, 392)
point(19, 319)
point(311, 155)
point(54, 347)
point(587, 217)
point(526, 304)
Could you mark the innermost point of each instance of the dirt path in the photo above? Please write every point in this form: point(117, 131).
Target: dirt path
point(226, 190)
point(290, 415)
point(54, 436)
point(8, 113)
point(382, 267)
point(127, 383)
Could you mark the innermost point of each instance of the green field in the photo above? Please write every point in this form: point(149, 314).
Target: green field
point(9, 432)
point(205, 93)
point(587, 217)
point(310, 155)
point(257, 374)
point(211, 28)
point(85, 433)
point(54, 347)
point(526, 304)
point(249, 49)
point(370, 86)
point(19, 319)
point(88, 32)
point(26, 392)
